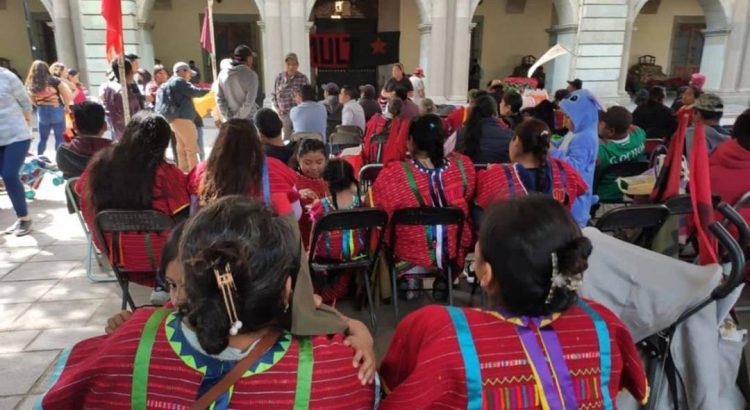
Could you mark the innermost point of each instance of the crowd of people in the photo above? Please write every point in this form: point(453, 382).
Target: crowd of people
point(245, 325)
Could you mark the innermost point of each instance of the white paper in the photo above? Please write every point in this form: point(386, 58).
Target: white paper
point(556, 51)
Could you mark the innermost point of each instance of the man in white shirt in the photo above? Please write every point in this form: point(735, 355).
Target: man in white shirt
point(418, 84)
point(352, 114)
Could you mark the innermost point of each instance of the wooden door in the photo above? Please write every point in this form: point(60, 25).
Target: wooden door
point(687, 49)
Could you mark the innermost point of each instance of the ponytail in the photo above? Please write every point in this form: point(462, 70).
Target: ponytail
point(535, 139)
point(428, 136)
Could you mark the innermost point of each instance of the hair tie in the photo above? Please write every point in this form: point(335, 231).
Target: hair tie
point(559, 281)
point(544, 133)
point(227, 287)
point(432, 126)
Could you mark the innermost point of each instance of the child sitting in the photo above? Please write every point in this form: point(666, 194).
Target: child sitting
point(337, 245)
point(619, 142)
point(311, 159)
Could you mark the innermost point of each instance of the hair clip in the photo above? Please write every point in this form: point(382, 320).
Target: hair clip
point(544, 133)
point(226, 285)
point(432, 126)
point(559, 281)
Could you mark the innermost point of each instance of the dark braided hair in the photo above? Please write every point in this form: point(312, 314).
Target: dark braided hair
point(427, 135)
point(339, 175)
point(534, 135)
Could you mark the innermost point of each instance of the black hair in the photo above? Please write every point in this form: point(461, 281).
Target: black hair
point(268, 123)
point(307, 92)
point(339, 175)
point(741, 130)
point(116, 68)
point(122, 175)
point(696, 91)
point(427, 135)
point(261, 252)
point(618, 118)
point(535, 137)
point(72, 72)
point(395, 106)
point(401, 92)
point(368, 91)
point(514, 101)
point(308, 145)
point(352, 92)
point(89, 118)
point(191, 62)
point(170, 251)
point(517, 239)
point(710, 115)
point(561, 94)
point(484, 107)
point(656, 94)
point(478, 94)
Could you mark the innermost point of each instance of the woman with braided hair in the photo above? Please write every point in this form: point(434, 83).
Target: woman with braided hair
point(530, 171)
point(539, 346)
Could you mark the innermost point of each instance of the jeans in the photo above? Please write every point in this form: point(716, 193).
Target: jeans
point(201, 148)
point(11, 161)
point(50, 119)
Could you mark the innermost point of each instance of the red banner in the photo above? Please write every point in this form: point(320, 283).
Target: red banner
point(330, 50)
point(112, 13)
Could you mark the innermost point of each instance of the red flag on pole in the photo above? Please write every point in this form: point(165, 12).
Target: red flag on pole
point(668, 181)
point(112, 13)
point(700, 194)
point(207, 38)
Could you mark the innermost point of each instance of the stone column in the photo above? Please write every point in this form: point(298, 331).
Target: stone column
point(459, 80)
point(273, 54)
point(146, 45)
point(559, 71)
point(712, 62)
point(299, 28)
point(64, 38)
point(439, 42)
point(425, 32)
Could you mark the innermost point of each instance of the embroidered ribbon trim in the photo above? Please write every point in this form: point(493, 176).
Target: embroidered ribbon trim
point(470, 357)
point(605, 352)
point(266, 185)
point(142, 360)
point(304, 374)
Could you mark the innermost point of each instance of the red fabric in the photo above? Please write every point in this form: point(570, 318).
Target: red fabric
point(392, 192)
point(395, 146)
point(493, 183)
point(169, 196)
point(456, 119)
point(686, 111)
point(424, 368)
point(668, 182)
point(320, 187)
point(727, 162)
point(207, 36)
point(700, 194)
point(98, 374)
point(280, 177)
point(112, 13)
point(334, 238)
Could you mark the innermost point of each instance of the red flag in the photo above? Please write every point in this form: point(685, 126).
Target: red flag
point(700, 194)
point(207, 38)
point(668, 180)
point(112, 13)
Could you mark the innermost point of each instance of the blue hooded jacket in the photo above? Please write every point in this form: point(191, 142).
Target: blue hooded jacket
point(580, 148)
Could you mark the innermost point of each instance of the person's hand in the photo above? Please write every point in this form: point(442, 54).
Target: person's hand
point(361, 341)
point(308, 194)
point(116, 321)
point(318, 301)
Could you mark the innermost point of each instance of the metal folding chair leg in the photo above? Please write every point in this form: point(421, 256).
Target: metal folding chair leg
point(373, 322)
point(394, 291)
point(449, 273)
point(90, 254)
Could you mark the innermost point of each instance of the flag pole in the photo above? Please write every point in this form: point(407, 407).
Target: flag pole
point(214, 69)
point(124, 88)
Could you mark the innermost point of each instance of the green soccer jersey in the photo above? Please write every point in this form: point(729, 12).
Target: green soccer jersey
point(615, 152)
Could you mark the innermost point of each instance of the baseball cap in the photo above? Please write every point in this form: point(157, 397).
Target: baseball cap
point(242, 52)
point(419, 71)
point(577, 83)
point(182, 66)
point(709, 103)
point(131, 57)
point(331, 88)
point(291, 56)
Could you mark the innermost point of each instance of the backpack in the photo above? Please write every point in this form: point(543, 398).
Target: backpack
point(165, 105)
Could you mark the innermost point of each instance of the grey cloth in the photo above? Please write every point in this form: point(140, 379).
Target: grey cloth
point(714, 137)
point(237, 92)
point(648, 292)
point(14, 102)
point(353, 114)
point(181, 94)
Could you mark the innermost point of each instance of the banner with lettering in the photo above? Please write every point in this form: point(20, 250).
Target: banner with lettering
point(330, 50)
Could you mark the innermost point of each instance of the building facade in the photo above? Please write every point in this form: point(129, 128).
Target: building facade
point(606, 38)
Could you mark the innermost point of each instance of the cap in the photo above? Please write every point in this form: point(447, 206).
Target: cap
point(131, 56)
point(182, 66)
point(697, 80)
point(241, 53)
point(291, 56)
point(577, 83)
point(331, 88)
point(709, 103)
point(419, 71)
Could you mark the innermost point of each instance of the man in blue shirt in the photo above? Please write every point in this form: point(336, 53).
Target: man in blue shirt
point(308, 115)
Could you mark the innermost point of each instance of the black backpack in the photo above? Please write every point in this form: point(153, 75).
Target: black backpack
point(165, 104)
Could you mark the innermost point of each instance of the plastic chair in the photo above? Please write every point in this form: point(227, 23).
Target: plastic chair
point(425, 216)
point(74, 206)
point(683, 205)
point(116, 222)
point(299, 136)
point(367, 176)
point(646, 218)
point(366, 219)
point(624, 169)
point(345, 136)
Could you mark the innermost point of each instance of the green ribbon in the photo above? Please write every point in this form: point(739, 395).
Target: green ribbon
point(304, 374)
point(150, 251)
point(415, 191)
point(143, 359)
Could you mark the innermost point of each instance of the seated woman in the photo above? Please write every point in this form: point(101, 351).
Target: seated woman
point(481, 138)
point(238, 166)
point(240, 264)
point(540, 346)
point(134, 175)
point(531, 171)
point(429, 179)
point(310, 158)
point(385, 136)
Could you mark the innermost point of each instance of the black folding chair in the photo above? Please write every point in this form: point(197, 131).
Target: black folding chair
point(367, 176)
point(299, 136)
point(643, 222)
point(365, 219)
point(624, 169)
point(480, 167)
point(117, 222)
point(425, 216)
point(683, 204)
point(74, 207)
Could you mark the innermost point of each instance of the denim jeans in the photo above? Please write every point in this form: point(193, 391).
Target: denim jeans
point(11, 161)
point(201, 148)
point(50, 119)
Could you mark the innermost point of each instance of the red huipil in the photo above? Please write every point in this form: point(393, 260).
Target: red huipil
point(727, 163)
point(452, 184)
point(320, 188)
point(448, 357)
point(500, 182)
point(169, 196)
point(394, 148)
point(281, 180)
point(149, 364)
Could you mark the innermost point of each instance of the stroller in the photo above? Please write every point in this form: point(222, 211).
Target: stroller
point(33, 171)
point(690, 345)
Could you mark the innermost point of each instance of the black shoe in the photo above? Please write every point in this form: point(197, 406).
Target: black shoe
point(20, 228)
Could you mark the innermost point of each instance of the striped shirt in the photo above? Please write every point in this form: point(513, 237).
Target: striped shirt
point(14, 102)
point(284, 89)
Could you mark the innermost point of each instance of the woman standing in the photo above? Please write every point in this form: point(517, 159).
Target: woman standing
point(51, 97)
point(398, 78)
point(15, 139)
point(79, 91)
